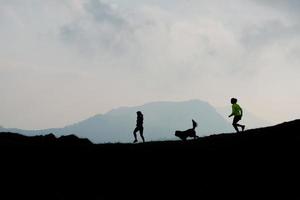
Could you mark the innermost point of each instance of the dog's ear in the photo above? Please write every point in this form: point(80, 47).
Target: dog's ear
point(194, 123)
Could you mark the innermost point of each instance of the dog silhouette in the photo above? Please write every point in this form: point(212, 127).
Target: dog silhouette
point(183, 135)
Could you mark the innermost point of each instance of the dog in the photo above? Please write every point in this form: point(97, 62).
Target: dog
point(183, 135)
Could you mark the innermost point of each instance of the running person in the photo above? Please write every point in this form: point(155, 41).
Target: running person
point(237, 112)
point(139, 126)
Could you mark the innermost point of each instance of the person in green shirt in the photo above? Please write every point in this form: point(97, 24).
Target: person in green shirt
point(237, 112)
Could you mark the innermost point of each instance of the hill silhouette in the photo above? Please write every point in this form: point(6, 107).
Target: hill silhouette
point(258, 161)
point(15, 139)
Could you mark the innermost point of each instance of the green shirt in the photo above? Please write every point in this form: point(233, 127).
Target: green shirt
point(236, 110)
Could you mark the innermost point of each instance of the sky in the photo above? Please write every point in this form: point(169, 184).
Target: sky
point(62, 61)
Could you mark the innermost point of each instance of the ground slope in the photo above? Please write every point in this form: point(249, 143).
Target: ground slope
point(260, 161)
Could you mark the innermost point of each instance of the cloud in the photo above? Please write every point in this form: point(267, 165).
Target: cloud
point(66, 60)
point(102, 12)
point(97, 21)
point(290, 6)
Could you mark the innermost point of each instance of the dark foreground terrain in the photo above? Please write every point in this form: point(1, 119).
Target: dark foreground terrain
point(258, 163)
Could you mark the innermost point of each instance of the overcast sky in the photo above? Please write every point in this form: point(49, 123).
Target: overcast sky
point(62, 61)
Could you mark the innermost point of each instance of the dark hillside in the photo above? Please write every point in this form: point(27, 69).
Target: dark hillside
point(260, 161)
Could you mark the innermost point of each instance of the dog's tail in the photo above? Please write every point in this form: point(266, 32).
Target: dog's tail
point(194, 124)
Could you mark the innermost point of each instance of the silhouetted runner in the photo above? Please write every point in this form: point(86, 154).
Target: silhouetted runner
point(139, 126)
point(237, 112)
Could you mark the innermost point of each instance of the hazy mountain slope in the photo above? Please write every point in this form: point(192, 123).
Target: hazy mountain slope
point(161, 119)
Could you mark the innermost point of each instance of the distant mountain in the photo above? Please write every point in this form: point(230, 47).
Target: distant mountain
point(251, 120)
point(161, 119)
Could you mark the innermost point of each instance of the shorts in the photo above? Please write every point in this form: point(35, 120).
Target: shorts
point(236, 119)
point(139, 128)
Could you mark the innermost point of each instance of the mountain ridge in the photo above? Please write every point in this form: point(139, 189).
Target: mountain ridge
point(294, 125)
point(162, 119)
